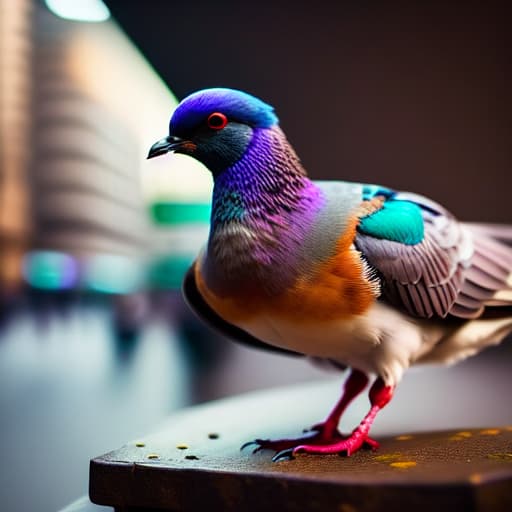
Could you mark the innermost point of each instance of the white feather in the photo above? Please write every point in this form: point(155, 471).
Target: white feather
point(469, 339)
point(384, 341)
point(502, 296)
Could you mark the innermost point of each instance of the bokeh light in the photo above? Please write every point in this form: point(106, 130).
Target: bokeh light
point(79, 10)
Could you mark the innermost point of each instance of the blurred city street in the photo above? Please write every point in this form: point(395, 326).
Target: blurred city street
point(97, 346)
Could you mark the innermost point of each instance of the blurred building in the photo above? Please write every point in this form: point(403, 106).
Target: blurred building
point(15, 106)
point(79, 111)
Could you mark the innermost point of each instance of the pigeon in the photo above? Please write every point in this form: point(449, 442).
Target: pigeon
point(358, 275)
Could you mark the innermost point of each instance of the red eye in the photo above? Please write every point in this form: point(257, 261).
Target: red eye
point(217, 121)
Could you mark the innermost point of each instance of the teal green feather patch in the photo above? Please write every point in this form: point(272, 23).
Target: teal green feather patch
point(370, 191)
point(227, 206)
point(399, 221)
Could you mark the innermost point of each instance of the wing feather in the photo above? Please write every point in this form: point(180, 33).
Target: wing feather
point(457, 269)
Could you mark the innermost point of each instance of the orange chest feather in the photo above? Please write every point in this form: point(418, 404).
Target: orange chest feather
point(335, 289)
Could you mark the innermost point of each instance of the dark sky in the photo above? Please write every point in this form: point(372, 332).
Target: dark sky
point(412, 96)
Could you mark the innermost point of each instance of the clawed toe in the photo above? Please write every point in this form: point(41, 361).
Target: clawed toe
point(258, 443)
point(247, 444)
point(314, 443)
point(324, 438)
point(284, 455)
point(279, 445)
point(340, 446)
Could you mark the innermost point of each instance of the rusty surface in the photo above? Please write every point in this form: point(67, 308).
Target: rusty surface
point(185, 467)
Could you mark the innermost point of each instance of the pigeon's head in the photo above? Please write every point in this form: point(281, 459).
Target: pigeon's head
point(215, 126)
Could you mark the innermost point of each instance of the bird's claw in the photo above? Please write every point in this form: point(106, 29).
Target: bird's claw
point(344, 447)
point(250, 443)
point(283, 455)
point(258, 442)
point(247, 444)
point(319, 443)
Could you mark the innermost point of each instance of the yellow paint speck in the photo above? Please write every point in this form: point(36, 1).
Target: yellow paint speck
point(490, 432)
point(459, 436)
point(403, 438)
point(182, 446)
point(153, 456)
point(403, 465)
point(500, 456)
point(386, 457)
point(140, 444)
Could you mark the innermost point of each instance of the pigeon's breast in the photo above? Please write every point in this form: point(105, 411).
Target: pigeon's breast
point(335, 288)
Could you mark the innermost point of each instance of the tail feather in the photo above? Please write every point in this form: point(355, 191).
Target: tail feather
point(488, 279)
point(501, 297)
point(501, 232)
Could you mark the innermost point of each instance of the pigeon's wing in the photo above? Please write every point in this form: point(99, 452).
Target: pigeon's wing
point(429, 263)
point(489, 277)
point(197, 303)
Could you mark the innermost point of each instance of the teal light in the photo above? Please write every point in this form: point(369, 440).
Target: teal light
point(50, 270)
point(179, 213)
point(167, 273)
point(79, 10)
point(113, 274)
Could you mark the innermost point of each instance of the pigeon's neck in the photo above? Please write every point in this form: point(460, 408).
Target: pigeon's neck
point(268, 180)
point(261, 210)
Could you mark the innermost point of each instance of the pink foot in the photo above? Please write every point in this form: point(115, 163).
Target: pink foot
point(324, 433)
point(317, 442)
point(347, 446)
point(315, 436)
point(325, 438)
point(380, 395)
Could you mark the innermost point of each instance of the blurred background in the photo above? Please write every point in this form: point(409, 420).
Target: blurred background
point(96, 345)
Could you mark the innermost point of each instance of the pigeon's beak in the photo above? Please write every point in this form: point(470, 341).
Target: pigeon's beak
point(169, 143)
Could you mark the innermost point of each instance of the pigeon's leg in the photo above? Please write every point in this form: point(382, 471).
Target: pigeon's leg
point(354, 385)
point(380, 395)
point(325, 432)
